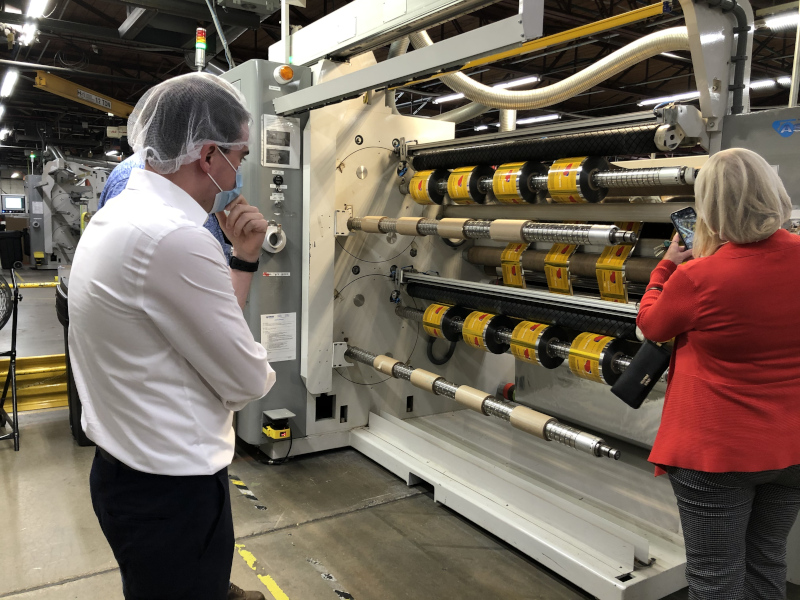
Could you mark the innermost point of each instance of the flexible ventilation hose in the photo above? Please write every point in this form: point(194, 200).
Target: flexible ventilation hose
point(396, 48)
point(463, 113)
point(668, 40)
point(508, 119)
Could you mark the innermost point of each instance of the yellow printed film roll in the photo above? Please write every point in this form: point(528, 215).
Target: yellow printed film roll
point(432, 319)
point(458, 185)
point(570, 180)
point(474, 329)
point(524, 341)
point(562, 181)
point(585, 356)
point(507, 182)
point(423, 186)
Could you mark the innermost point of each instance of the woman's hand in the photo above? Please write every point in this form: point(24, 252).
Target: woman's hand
point(677, 253)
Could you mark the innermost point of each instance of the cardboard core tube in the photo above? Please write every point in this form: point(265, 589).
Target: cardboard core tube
point(471, 398)
point(408, 225)
point(451, 228)
point(423, 379)
point(371, 224)
point(506, 230)
point(384, 364)
point(530, 421)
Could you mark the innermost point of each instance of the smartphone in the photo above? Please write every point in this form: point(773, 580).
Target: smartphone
point(685, 220)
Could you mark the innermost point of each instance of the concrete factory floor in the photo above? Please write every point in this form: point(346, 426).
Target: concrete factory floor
point(330, 525)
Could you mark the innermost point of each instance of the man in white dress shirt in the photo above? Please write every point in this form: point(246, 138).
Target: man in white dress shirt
point(160, 349)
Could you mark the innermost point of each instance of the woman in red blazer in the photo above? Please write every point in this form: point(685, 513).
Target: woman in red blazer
point(730, 430)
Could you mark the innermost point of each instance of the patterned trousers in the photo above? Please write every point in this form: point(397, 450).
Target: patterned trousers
point(735, 527)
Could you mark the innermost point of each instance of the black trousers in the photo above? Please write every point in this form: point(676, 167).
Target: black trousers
point(735, 527)
point(172, 536)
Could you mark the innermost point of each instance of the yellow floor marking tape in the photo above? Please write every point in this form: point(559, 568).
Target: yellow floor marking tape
point(268, 581)
point(273, 588)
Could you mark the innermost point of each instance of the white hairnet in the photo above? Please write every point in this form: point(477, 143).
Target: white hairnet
point(173, 120)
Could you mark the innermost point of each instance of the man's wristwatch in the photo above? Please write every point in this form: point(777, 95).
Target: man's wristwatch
point(243, 265)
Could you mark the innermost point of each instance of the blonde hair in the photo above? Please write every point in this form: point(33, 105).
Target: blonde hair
point(739, 198)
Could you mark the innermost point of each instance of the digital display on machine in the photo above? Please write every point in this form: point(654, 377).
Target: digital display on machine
point(13, 203)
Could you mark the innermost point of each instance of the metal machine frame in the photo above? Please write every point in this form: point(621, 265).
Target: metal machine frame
point(609, 527)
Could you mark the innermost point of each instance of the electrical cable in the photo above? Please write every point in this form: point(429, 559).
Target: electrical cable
point(439, 361)
point(283, 460)
point(221, 35)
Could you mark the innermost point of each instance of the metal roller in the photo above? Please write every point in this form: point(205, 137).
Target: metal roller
point(591, 356)
point(469, 185)
point(568, 180)
point(521, 417)
point(625, 141)
point(654, 177)
point(507, 231)
point(527, 310)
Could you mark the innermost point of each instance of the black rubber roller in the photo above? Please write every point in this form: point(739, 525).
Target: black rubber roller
point(624, 141)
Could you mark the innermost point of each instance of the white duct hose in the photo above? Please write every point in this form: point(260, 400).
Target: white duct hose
point(508, 119)
point(396, 48)
point(463, 113)
point(668, 40)
point(459, 115)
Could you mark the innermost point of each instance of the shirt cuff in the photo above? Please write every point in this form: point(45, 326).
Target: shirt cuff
point(662, 272)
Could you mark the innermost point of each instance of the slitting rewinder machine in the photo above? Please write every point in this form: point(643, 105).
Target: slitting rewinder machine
point(457, 309)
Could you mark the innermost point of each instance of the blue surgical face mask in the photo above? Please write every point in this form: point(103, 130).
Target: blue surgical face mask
point(223, 198)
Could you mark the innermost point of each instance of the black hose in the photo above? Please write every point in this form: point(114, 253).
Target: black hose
point(739, 60)
point(439, 361)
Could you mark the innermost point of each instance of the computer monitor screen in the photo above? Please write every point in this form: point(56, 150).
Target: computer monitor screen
point(13, 203)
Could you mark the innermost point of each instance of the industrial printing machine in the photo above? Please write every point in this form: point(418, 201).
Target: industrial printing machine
point(457, 309)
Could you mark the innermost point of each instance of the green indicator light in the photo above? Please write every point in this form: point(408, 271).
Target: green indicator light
point(200, 45)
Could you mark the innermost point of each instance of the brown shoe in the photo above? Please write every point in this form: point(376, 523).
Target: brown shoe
point(237, 593)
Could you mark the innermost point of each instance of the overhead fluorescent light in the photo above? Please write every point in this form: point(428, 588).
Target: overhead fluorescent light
point(28, 34)
point(673, 98)
point(36, 9)
point(481, 127)
point(9, 81)
point(528, 120)
point(762, 84)
point(2, 111)
point(448, 98)
point(785, 80)
point(517, 82)
point(14, 175)
point(782, 21)
point(499, 86)
point(673, 55)
point(4, 133)
point(112, 153)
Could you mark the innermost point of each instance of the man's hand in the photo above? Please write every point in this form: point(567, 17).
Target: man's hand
point(677, 253)
point(245, 227)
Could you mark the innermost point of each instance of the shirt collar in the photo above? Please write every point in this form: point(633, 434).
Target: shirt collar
point(150, 182)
